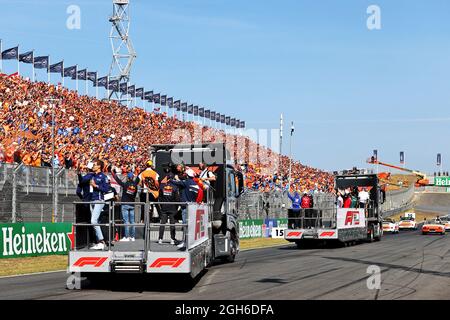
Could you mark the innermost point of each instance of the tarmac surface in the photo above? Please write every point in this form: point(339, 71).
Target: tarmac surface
point(412, 266)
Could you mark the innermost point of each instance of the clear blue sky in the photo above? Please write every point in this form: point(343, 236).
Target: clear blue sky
point(349, 90)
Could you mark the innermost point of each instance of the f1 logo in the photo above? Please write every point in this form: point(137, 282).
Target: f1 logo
point(199, 225)
point(167, 262)
point(294, 234)
point(352, 215)
point(90, 261)
point(327, 234)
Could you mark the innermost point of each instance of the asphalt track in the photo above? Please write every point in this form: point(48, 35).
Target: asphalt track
point(412, 266)
point(438, 203)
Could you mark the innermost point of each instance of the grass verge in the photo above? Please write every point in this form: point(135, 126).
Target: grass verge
point(246, 244)
point(18, 266)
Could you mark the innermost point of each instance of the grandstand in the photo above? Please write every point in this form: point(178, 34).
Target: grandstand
point(88, 128)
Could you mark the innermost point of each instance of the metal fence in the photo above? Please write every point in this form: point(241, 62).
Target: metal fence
point(26, 195)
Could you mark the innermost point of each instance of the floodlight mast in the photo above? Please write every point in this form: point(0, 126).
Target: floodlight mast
point(122, 48)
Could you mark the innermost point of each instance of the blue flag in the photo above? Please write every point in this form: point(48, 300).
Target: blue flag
point(222, 118)
point(184, 107)
point(213, 115)
point(92, 76)
point(26, 57)
point(123, 87)
point(170, 102)
point(163, 100)
point(140, 93)
point(195, 110)
point(11, 54)
point(82, 74)
point(201, 112)
point(242, 124)
point(157, 98)
point(227, 120)
point(190, 109)
point(177, 105)
point(132, 90)
point(70, 72)
point(233, 122)
point(102, 82)
point(207, 114)
point(148, 96)
point(57, 68)
point(41, 62)
point(113, 85)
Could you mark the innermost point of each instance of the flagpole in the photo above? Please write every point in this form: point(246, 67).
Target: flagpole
point(48, 72)
point(76, 77)
point(1, 57)
point(18, 62)
point(63, 74)
point(96, 85)
point(33, 67)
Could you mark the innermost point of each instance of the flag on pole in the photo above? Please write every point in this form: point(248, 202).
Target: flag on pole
point(190, 109)
point(82, 74)
point(238, 123)
point(163, 100)
point(70, 72)
point(102, 82)
point(113, 85)
point(57, 68)
point(195, 110)
point(207, 114)
point(227, 120)
point(233, 122)
point(170, 102)
point(148, 96)
point(157, 98)
point(375, 155)
point(140, 93)
point(92, 76)
point(402, 157)
point(439, 159)
point(26, 57)
point(184, 107)
point(132, 91)
point(218, 117)
point(11, 54)
point(41, 62)
point(123, 87)
point(242, 125)
point(213, 115)
point(222, 118)
point(201, 112)
point(177, 105)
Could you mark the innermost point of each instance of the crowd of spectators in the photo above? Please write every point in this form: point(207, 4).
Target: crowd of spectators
point(87, 128)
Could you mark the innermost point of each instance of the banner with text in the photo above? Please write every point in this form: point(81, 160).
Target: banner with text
point(34, 239)
point(259, 228)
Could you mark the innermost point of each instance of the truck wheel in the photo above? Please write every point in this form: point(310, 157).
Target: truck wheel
point(233, 247)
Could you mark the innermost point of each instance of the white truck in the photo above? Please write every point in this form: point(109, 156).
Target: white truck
point(210, 232)
point(327, 223)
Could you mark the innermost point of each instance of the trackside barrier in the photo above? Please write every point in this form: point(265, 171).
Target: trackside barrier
point(35, 239)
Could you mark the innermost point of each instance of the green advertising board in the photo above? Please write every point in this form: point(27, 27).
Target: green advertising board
point(259, 228)
point(34, 239)
point(442, 181)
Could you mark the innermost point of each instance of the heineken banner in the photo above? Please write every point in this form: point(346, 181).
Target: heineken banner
point(442, 181)
point(34, 239)
point(259, 228)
